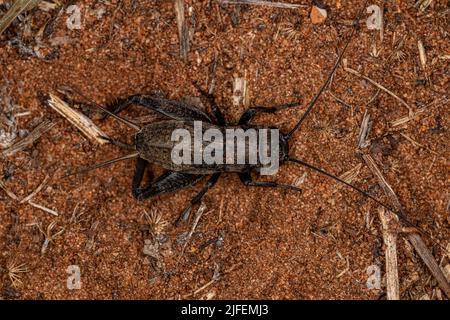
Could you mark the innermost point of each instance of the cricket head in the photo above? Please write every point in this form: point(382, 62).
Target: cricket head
point(284, 147)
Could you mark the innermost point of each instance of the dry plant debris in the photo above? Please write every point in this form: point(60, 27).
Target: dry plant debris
point(16, 9)
point(15, 271)
point(79, 120)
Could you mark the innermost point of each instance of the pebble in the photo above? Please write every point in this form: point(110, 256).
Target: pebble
point(318, 15)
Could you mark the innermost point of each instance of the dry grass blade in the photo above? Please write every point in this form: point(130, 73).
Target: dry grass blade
point(414, 142)
point(414, 238)
point(35, 192)
point(376, 84)
point(49, 235)
point(79, 120)
point(183, 31)
point(349, 176)
point(407, 118)
point(8, 192)
point(156, 222)
point(38, 206)
point(14, 272)
point(16, 9)
point(390, 226)
point(422, 4)
point(265, 3)
point(43, 127)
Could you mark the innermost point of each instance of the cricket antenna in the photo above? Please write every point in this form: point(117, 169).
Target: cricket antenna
point(305, 164)
point(102, 164)
point(330, 76)
point(99, 107)
point(399, 214)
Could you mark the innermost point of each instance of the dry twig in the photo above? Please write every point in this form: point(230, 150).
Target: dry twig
point(390, 226)
point(183, 31)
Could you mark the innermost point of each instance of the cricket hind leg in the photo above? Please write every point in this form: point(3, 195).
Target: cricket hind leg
point(247, 180)
point(248, 115)
point(167, 183)
point(198, 197)
point(170, 108)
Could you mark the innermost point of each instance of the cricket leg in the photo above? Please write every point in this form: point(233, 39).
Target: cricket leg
point(177, 110)
point(247, 180)
point(167, 183)
point(198, 198)
point(248, 115)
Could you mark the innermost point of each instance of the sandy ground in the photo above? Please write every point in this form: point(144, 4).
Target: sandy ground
point(249, 243)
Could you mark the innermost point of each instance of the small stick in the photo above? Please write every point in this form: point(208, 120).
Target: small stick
point(183, 32)
point(265, 3)
point(38, 206)
point(414, 238)
point(198, 215)
point(8, 192)
point(414, 142)
point(214, 279)
point(356, 73)
point(407, 118)
point(35, 192)
point(43, 127)
point(79, 120)
point(390, 223)
point(436, 103)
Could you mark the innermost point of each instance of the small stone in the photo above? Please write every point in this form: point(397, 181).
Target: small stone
point(318, 15)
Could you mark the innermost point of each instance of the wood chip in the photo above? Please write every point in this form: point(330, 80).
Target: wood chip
point(240, 94)
point(47, 6)
point(422, 54)
point(79, 120)
point(349, 176)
